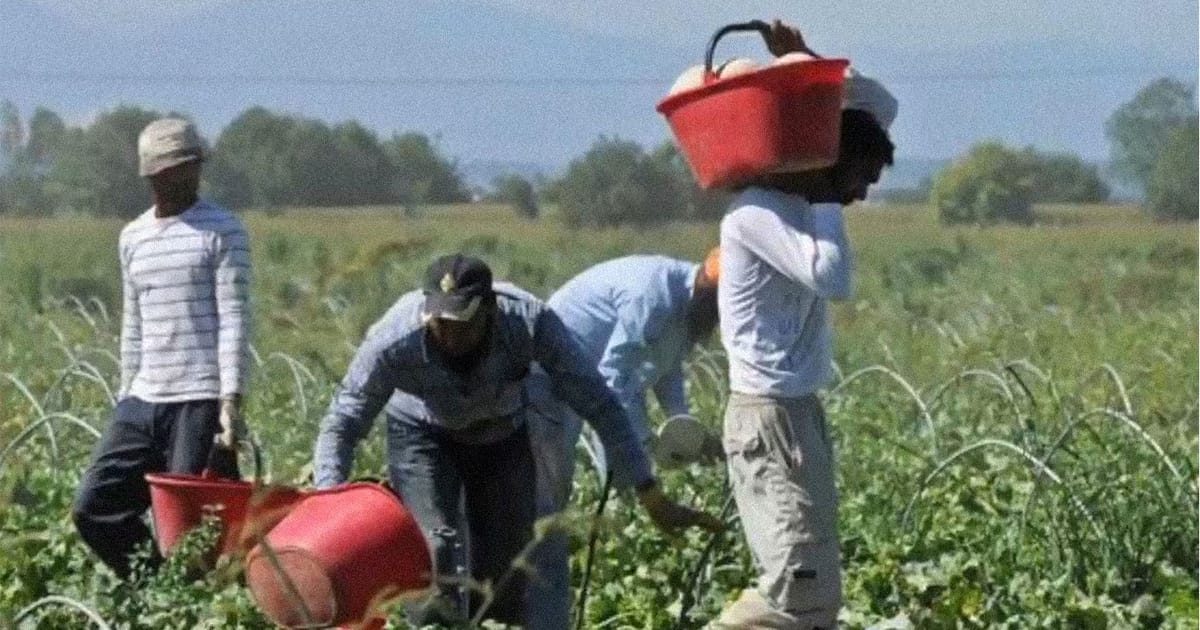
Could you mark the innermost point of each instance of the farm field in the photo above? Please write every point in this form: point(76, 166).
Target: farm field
point(1015, 420)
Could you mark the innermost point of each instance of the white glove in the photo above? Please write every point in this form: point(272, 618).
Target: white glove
point(233, 427)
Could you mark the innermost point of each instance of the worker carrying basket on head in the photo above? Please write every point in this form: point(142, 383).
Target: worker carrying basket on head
point(795, 141)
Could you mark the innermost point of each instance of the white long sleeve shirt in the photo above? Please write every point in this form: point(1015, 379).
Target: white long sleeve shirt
point(184, 333)
point(782, 260)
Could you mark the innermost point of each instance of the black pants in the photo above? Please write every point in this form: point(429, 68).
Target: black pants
point(142, 438)
point(494, 482)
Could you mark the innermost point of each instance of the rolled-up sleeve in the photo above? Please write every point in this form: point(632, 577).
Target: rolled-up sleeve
point(360, 396)
point(581, 386)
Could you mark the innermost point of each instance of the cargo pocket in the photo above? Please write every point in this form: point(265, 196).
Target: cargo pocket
point(810, 585)
point(760, 462)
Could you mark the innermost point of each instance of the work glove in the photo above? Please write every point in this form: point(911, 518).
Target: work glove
point(233, 427)
point(670, 517)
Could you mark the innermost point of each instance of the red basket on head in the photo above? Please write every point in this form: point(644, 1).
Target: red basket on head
point(785, 117)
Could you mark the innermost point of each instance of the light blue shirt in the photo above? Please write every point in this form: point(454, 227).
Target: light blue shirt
point(782, 261)
point(396, 362)
point(630, 316)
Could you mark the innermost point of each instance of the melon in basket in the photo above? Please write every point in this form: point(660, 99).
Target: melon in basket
point(737, 66)
point(691, 79)
point(793, 57)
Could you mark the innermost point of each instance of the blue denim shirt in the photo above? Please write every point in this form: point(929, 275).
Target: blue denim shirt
point(630, 316)
point(395, 359)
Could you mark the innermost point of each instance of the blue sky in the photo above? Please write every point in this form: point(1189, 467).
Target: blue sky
point(1040, 73)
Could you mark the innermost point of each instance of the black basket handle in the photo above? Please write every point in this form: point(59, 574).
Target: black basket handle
point(222, 461)
point(753, 25)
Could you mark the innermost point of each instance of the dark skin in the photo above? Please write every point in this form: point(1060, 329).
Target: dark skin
point(464, 344)
point(702, 312)
point(175, 189)
point(846, 181)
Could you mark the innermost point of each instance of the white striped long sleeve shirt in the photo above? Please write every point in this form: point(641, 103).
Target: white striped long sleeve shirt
point(185, 327)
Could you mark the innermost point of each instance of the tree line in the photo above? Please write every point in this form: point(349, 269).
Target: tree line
point(261, 159)
point(264, 159)
point(1154, 148)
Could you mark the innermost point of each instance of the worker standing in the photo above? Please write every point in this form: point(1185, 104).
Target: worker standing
point(185, 267)
point(784, 257)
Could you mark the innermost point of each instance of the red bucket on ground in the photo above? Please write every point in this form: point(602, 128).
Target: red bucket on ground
point(179, 503)
point(338, 557)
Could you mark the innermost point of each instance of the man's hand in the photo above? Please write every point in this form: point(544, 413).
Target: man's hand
point(784, 39)
point(670, 517)
point(713, 450)
point(233, 427)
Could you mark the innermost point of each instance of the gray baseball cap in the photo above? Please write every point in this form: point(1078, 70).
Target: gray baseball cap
point(167, 142)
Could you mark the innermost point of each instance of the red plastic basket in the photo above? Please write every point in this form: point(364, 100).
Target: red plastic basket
point(338, 557)
point(785, 117)
point(179, 502)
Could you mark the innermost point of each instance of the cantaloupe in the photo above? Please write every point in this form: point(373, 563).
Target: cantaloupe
point(793, 57)
point(691, 79)
point(737, 66)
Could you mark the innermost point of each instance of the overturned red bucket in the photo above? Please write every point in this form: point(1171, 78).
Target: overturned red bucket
point(338, 557)
point(179, 503)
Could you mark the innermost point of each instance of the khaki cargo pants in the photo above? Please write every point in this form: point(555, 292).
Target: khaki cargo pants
point(781, 468)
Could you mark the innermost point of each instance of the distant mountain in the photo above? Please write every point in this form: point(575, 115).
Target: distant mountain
point(505, 84)
point(479, 174)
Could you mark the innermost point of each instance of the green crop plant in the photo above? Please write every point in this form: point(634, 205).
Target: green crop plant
point(1014, 412)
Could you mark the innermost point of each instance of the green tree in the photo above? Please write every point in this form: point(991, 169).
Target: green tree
point(362, 168)
point(270, 160)
point(1139, 129)
point(97, 169)
point(12, 133)
point(699, 204)
point(1064, 178)
point(310, 166)
point(517, 192)
point(991, 183)
point(616, 182)
point(1174, 186)
point(248, 165)
point(23, 192)
point(46, 134)
point(420, 174)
